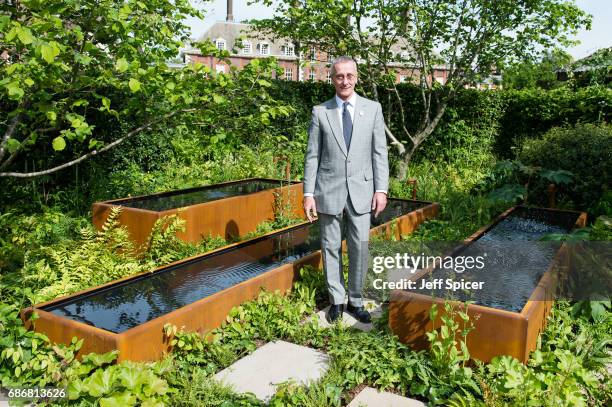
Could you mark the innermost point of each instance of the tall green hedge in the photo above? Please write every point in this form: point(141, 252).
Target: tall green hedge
point(530, 113)
point(509, 116)
point(585, 150)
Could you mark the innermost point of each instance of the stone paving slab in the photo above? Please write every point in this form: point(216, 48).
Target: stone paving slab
point(272, 364)
point(372, 306)
point(370, 397)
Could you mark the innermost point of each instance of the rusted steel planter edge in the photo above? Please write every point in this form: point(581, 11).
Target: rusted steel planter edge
point(146, 341)
point(517, 331)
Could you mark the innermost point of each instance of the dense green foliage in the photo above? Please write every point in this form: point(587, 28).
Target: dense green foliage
point(477, 123)
point(376, 359)
point(585, 151)
point(69, 66)
point(542, 73)
point(69, 92)
point(595, 69)
point(406, 34)
point(531, 113)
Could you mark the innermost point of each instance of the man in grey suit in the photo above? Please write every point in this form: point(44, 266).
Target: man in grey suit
point(346, 175)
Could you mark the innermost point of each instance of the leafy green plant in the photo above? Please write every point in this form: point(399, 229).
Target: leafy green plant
point(26, 359)
point(583, 150)
point(95, 258)
point(379, 360)
point(568, 368)
point(197, 389)
point(324, 393)
point(517, 178)
point(124, 384)
point(449, 350)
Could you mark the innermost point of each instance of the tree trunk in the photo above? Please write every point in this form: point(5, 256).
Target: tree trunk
point(417, 140)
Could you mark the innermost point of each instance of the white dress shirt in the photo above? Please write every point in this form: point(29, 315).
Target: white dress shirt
point(351, 109)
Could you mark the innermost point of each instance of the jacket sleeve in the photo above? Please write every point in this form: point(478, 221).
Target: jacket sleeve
point(380, 161)
point(313, 154)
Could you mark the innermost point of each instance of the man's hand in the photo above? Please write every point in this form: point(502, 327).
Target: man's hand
point(310, 208)
point(379, 201)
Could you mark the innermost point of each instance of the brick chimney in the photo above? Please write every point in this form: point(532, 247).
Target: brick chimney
point(230, 11)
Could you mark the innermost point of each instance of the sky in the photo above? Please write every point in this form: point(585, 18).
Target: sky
point(600, 35)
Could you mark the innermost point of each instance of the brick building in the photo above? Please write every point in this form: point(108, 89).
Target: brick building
point(244, 45)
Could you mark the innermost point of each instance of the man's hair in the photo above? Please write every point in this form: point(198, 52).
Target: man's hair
point(340, 60)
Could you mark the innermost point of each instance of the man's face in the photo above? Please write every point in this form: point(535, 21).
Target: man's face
point(345, 79)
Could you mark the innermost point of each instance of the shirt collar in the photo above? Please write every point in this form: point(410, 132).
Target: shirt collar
point(351, 100)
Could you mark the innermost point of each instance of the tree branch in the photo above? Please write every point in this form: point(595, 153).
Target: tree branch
point(8, 133)
point(401, 108)
point(12, 157)
point(400, 147)
point(95, 152)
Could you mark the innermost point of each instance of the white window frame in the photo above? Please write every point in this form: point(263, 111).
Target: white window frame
point(288, 50)
point(288, 74)
point(247, 48)
point(313, 54)
point(402, 78)
point(221, 41)
point(328, 77)
point(220, 68)
point(260, 47)
point(311, 75)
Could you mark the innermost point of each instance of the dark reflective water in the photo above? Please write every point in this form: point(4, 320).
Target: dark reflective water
point(193, 196)
point(514, 259)
point(126, 305)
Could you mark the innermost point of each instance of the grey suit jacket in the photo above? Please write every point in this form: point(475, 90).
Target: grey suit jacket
point(334, 174)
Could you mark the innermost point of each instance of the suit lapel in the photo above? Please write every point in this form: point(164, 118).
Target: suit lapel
point(356, 119)
point(334, 122)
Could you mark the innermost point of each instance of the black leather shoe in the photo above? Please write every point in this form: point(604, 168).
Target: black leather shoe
point(334, 313)
point(359, 313)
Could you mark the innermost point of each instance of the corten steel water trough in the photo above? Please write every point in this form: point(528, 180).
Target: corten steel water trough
point(230, 209)
point(196, 293)
point(496, 331)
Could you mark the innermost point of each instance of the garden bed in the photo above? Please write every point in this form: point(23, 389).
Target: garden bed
point(197, 293)
point(229, 210)
point(511, 310)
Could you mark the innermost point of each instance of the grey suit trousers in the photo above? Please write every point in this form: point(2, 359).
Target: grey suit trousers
point(357, 236)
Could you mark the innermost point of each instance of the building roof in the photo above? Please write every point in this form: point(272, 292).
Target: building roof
point(231, 32)
point(602, 58)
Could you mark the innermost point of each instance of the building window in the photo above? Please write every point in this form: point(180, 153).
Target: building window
point(288, 50)
point(313, 54)
point(328, 77)
point(311, 75)
point(402, 78)
point(439, 79)
point(246, 48)
point(329, 57)
point(289, 74)
point(220, 68)
point(263, 48)
point(220, 44)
